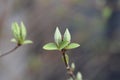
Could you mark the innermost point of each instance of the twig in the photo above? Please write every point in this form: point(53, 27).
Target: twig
point(12, 50)
point(69, 70)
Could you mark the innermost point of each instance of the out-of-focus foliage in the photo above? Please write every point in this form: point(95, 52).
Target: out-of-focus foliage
point(107, 12)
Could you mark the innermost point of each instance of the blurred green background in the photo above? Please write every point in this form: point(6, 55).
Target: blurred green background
point(95, 24)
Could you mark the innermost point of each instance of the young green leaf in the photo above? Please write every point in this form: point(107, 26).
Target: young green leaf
point(70, 78)
point(79, 76)
point(27, 42)
point(67, 58)
point(16, 30)
point(23, 31)
point(50, 46)
point(14, 40)
point(72, 46)
point(57, 36)
point(63, 44)
point(67, 36)
point(73, 66)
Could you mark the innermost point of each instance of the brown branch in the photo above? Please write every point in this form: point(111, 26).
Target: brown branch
point(12, 50)
point(69, 70)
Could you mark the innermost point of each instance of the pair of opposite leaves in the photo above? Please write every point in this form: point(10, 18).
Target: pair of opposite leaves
point(61, 42)
point(19, 32)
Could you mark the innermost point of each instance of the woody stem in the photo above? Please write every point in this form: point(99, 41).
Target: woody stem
point(12, 50)
point(69, 70)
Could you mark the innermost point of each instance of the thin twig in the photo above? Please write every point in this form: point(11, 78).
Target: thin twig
point(69, 70)
point(12, 50)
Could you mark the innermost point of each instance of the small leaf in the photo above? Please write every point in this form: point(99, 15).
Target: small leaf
point(73, 66)
point(70, 79)
point(50, 46)
point(72, 46)
point(14, 40)
point(27, 42)
point(63, 44)
point(79, 76)
point(23, 31)
point(16, 30)
point(67, 36)
point(66, 57)
point(57, 36)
